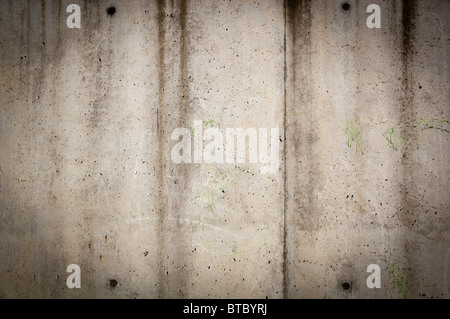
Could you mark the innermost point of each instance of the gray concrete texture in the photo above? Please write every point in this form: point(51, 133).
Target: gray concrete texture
point(86, 175)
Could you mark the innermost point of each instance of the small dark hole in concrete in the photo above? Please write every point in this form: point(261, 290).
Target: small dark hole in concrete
point(346, 286)
point(346, 6)
point(113, 283)
point(111, 11)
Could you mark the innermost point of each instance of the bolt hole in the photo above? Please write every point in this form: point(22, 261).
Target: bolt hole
point(346, 286)
point(111, 11)
point(346, 6)
point(113, 283)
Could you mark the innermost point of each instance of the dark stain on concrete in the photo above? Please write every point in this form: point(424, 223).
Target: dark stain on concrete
point(410, 201)
point(285, 187)
point(301, 185)
point(44, 20)
point(172, 112)
point(179, 247)
point(409, 11)
point(183, 171)
point(184, 54)
point(302, 134)
point(407, 112)
point(161, 196)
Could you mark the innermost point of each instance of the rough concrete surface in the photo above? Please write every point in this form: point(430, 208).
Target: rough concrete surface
point(87, 175)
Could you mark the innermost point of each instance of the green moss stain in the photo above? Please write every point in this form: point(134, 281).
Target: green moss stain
point(403, 142)
point(399, 276)
point(435, 124)
point(400, 137)
point(211, 123)
point(353, 130)
point(214, 186)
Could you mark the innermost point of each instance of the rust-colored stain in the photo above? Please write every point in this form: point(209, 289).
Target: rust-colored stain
point(100, 257)
point(106, 239)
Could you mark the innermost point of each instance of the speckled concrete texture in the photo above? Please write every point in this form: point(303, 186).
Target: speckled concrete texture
point(86, 169)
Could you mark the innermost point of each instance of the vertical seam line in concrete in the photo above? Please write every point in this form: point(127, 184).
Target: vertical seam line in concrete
point(284, 155)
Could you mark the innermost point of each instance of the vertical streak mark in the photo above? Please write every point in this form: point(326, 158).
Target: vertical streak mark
point(160, 167)
point(298, 85)
point(183, 62)
point(407, 117)
point(284, 157)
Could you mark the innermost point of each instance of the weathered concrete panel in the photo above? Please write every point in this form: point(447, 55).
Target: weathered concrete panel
point(87, 174)
point(367, 150)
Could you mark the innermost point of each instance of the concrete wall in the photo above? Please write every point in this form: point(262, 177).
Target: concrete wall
point(86, 175)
